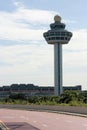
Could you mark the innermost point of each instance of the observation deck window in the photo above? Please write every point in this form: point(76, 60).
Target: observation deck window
point(63, 33)
point(62, 38)
point(53, 38)
point(57, 33)
point(51, 33)
point(57, 38)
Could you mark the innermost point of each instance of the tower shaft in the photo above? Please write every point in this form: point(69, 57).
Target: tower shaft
point(58, 68)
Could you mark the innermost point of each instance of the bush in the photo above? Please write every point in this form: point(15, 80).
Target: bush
point(72, 98)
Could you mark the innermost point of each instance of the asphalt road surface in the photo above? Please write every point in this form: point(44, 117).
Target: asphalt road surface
point(32, 120)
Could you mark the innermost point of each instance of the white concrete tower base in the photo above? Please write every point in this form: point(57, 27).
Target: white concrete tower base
point(58, 68)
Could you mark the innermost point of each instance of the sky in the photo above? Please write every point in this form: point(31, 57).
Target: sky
point(25, 57)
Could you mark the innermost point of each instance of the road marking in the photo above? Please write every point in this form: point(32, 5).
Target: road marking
point(45, 125)
point(57, 118)
point(22, 117)
point(34, 121)
point(68, 121)
point(7, 117)
point(85, 125)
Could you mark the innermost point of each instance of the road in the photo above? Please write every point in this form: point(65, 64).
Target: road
point(33, 120)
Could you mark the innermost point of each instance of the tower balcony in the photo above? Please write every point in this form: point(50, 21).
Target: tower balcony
point(53, 37)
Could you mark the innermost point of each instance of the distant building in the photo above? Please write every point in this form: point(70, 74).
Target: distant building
point(78, 87)
point(32, 90)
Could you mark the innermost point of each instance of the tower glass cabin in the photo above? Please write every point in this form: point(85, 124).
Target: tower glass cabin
point(57, 35)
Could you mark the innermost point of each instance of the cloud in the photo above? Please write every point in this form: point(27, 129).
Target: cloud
point(75, 59)
point(18, 4)
point(76, 49)
point(26, 63)
point(24, 24)
point(77, 42)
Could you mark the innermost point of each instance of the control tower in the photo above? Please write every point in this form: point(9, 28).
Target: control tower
point(57, 36)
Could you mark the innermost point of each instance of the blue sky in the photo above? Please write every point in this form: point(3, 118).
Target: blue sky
point(25, 57)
